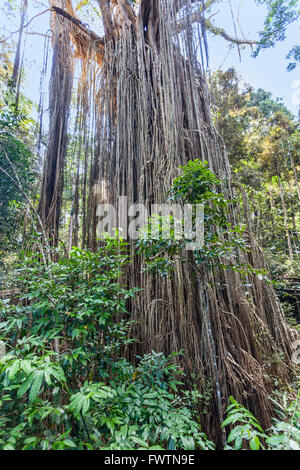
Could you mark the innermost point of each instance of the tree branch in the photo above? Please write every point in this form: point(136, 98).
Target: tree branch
point(90, 34)
point(217, 31)
point(25, 26)
point(221, 32)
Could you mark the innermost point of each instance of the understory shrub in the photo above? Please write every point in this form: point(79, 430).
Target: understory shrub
point(247, 433)
point(63, 381)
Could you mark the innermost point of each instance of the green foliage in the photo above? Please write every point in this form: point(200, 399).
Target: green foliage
point(64, 383)
point(221, 241)
point(281, 13)
point(247, 433)
point(198, 185)
point(285, 432)
point(75, 299)
point(231, 111)
point(246, 427)
point(144, 411)
point(266, 104)
point(293, 55)
point(262, 140)
point(16, 172)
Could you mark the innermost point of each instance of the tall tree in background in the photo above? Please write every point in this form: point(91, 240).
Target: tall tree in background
point(16, 157)
point(262, 141)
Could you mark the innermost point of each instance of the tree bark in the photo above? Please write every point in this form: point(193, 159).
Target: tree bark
point(285, 220)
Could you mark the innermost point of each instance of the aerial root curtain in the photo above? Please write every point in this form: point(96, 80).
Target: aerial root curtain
point(59, 107)
point(151, 115)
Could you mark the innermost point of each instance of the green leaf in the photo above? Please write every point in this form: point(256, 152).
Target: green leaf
point(237, 431)
point(69, 443)
point(25, 385)
point(238, 443)
point(171, 444)
point(232, 418)
point(254, 443)
point(13, 369)
point(36, 385)
point(139, 441)
point(275, 441)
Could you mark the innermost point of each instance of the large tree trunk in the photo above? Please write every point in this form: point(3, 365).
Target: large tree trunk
point(151, 116)
point(157, 118)
point(16, 75)
point(59, 107)
point(294, 170)
point(285, 220)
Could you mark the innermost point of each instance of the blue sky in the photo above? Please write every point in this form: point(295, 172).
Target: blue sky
point(267, 71)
